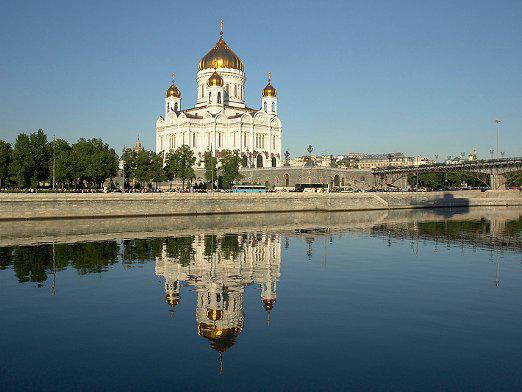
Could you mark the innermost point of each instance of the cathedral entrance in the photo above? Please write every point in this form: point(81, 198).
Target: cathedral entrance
point(274, 162)
point(259, 161)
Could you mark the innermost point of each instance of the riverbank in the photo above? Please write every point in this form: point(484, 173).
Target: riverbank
point(116, 205)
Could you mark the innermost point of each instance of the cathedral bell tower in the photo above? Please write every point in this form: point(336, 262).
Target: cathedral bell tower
point(172, 98)
point(269, 98)
point(215, 93)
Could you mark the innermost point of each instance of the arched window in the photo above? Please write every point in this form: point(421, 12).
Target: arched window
point(287, 180)
point(219, 97)
point(176, 106)
point(209, 97)
point(274, 162)
point(264, 106)
point(235, 90)
point(168, 106)
point(193, 140)
point(273, 106)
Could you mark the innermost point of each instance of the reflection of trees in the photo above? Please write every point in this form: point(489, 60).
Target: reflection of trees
point(180, 248)
point(87, 257)
point(33, 263)
point(514, 228)
point(230, 247)
point(210, 242)
point(141, 249)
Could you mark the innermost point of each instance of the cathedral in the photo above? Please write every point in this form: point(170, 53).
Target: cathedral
point(220, 119)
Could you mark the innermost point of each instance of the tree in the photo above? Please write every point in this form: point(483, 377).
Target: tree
point(63, 173)
point(6, 155)
point(210, 166)
point(41, 155)
point(143, 166)
point(179, 164)
point(230, 162)
point(22, 161)
point(93, 162)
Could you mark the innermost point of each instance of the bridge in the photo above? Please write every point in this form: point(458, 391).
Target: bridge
point(496, 169)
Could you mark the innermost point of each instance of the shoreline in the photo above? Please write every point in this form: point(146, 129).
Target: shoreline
point(56, 206)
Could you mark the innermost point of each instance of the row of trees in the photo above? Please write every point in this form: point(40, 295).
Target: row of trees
point(34, 160)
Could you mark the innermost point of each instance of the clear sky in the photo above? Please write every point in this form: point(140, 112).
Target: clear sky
point(417, 76)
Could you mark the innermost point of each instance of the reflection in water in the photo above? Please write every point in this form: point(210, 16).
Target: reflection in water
point(219, 268)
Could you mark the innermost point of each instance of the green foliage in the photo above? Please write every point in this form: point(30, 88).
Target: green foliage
point(41, 155)
point(230, 162)
point(22, 161)
point(64, 174)
point(210, 243)
point(92, 162)
point(143, 166)
point(180, 248)
point(451, 179)
point(179, 164)
point(230, 247)
point(210, 166)
point(6, 156)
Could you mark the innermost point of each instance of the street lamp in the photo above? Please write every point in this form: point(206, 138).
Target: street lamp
point(310, 149)
point(502, 153)
point(436, 158)
point(497, 121)
point(491, 153)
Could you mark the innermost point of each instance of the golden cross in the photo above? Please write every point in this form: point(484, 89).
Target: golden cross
point(172, 77)
point(268, 76)
point(220, 26)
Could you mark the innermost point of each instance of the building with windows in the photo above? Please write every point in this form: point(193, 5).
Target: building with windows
point(220, 118)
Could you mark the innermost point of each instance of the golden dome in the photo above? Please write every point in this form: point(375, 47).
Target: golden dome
point(269, 90)
point(215, 80)
point(221, 56)
point(173, 90)
point(171, 299)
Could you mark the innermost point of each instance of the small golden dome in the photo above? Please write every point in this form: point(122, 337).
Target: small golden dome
point(173, 91)
point(269, 90)
point(215, 80)
point(221, 56)
point(171, 299)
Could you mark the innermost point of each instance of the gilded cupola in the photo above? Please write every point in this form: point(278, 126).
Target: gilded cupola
point(269, 90)
point(215, 80)
point(173, 91)
point(221, 56)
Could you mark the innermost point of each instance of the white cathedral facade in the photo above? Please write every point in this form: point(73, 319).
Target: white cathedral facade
point(220, 118)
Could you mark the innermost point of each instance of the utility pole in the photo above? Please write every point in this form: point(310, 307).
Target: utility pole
point(54, 161)
point(123, 168)
point(497, 121)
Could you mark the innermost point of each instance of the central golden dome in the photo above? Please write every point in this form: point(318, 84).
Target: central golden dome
point(221, 56)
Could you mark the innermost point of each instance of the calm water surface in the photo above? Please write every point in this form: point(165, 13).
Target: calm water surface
point(404, 304)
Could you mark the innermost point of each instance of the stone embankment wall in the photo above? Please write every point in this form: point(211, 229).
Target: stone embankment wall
point(51, 206)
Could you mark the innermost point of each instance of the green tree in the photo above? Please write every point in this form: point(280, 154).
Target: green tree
point(6, 155)
point(143, 167)
point(210, 167)
point(63, 173)
point(179, 164)
point(22, 161)
point(41, 154)
point(230, 162)
point(93, 162)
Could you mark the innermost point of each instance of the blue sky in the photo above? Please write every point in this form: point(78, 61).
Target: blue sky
point(425, 77)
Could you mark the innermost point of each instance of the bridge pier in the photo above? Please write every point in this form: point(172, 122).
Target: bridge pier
point(497, 181)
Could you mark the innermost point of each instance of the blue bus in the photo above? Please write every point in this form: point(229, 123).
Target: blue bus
point(249, 189)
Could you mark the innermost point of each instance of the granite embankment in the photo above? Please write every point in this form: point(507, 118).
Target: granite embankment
point(18, 206)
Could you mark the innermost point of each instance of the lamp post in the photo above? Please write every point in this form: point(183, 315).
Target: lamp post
point(54, 163)
point(491, 152)
point(310, 149)
point(497, 121)
point(436, 158)
point(502, 153)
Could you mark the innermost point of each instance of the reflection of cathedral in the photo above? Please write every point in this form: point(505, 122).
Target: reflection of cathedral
point(219, 268)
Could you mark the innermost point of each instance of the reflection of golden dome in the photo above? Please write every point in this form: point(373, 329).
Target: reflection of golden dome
point(268, 304)
point(214, 315)
point(215, 80)
point(269, 90)
point(221, 339)
point(171, 299)
point(221, 56)
point(173, 91)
